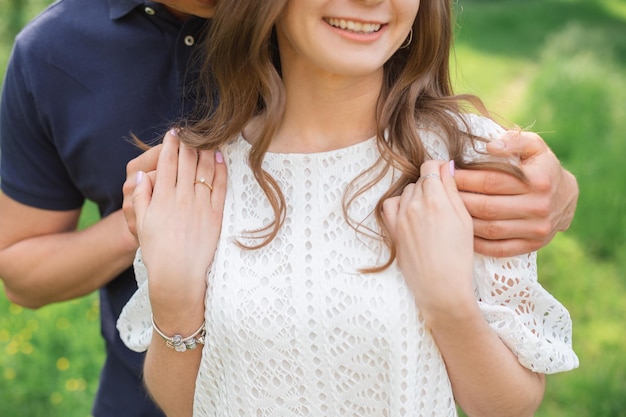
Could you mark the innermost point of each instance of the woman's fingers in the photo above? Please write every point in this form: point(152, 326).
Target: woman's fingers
point(142, 195)
point(390, 215)
point(167, 166)
point(218, 194)
point(188, 160)
point(447, 171)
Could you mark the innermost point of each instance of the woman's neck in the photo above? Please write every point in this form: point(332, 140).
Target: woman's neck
point(325, 113)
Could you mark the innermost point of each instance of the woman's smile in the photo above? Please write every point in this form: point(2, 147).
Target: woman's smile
point(353, 25)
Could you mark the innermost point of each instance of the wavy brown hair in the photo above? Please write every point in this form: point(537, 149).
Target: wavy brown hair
point(243, 68)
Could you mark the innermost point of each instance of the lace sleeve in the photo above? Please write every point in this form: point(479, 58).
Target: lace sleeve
point(134, 323)
point(528, 319)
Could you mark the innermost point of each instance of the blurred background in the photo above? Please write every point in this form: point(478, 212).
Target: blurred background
point(557, 67)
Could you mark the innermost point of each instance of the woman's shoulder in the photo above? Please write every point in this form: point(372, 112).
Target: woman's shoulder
point(472, 123)
point(236, 146)
point(433, 134)
point(480, 126)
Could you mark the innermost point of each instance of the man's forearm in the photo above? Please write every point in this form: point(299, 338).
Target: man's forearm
point(56, 267)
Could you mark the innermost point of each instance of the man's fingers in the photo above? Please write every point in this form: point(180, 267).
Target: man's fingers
point(523, 145)
point(141, 197)
point(495, 207)
point(505, 248)
point(128, 206)
point(512, 229)
point(147, 161)
point(152, 175)
point(489, 182)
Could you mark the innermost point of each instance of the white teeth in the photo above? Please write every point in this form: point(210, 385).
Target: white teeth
point(352, 26)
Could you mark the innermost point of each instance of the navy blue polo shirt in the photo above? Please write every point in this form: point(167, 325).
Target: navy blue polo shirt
point(83, 76)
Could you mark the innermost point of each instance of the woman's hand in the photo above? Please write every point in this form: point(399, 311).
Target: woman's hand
point(433, 234)
point(178, 220)
point(145, 163)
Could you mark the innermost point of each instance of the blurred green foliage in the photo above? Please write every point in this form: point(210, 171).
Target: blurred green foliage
point(557, 67)
point(15, 13)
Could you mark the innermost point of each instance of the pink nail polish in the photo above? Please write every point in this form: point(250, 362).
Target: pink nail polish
point(219, 157)
point(452, 167)
point(138, 177)
point(174, 132)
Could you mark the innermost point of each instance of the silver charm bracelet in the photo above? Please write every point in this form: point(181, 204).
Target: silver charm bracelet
point(177, 342)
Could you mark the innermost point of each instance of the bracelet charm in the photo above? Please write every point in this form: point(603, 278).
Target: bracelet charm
point(180, 344)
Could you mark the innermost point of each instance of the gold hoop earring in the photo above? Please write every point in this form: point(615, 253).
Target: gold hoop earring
point(408, 40)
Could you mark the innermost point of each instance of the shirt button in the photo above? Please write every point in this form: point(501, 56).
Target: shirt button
point(189, 40)
point(149, 10)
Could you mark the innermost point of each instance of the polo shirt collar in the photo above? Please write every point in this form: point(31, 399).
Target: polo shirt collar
point(120, 8)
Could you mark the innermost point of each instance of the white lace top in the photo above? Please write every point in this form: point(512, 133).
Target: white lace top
point(293, 329)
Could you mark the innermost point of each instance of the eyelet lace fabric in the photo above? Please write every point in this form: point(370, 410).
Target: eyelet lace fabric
point(294, 329)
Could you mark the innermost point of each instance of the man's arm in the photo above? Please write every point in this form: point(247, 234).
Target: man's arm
point(512, 217)
point(44, 259)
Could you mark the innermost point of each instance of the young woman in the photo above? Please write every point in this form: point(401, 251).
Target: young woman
point(332, 272)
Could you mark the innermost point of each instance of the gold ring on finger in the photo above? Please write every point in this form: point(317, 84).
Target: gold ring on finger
point(202, 181)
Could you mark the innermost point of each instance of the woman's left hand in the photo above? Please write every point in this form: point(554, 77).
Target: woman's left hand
point(433, 234)
point(179, 220)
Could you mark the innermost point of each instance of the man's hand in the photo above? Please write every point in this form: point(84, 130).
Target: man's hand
point(146, 162)
point(512, 217)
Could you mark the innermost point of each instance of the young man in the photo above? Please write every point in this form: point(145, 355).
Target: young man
point(80, 82)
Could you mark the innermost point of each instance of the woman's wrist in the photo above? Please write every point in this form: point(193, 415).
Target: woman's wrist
point(178, 316)
point(456, 311)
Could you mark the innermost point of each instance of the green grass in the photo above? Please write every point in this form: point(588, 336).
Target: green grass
point(559, 66)
point(49, 359)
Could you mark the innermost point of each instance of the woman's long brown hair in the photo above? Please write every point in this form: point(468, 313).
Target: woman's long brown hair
point(243, 68)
